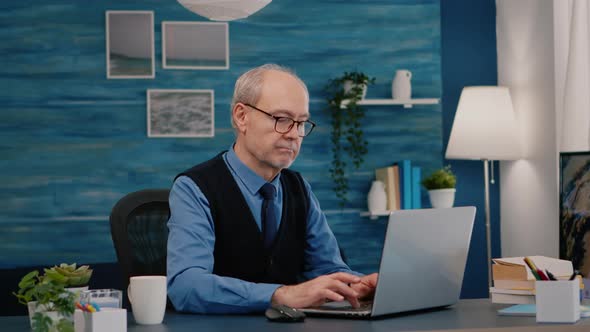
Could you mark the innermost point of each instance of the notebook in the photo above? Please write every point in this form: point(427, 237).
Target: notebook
point(422, 263)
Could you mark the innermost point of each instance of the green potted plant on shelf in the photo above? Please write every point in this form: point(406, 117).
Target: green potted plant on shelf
point(348, 143)
point(50, 305)
point(441, 187)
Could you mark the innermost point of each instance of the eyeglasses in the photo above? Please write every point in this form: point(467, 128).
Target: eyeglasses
point(284, 124)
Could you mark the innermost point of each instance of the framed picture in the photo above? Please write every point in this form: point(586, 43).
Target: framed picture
point(574, 210)
point(180, 113)
point(195, 45)
point(130, 44)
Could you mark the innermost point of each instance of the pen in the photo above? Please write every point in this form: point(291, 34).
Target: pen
point(95, 306)
point(550, 275)
point(529, 263)
point(542, 275)
point(90, 308)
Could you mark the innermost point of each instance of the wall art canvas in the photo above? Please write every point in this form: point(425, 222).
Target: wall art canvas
point(130, 44)
point(195, 45)
point(180, 113)
point(574, 223)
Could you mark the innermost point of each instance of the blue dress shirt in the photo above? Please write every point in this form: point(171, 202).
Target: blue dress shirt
point(193, 287)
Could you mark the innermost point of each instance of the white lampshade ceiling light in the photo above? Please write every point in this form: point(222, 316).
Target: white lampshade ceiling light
point(224, 10)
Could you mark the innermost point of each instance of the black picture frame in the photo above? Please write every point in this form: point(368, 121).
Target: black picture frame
point(574, 209)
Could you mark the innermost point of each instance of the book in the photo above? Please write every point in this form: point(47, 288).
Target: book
point(512, 298)
point(406, 183)
point(514, 268)
point(388, 177)
point(396, 187)
point(416, 192)
point(531, 310)
point(512, 291)
point(514, 284)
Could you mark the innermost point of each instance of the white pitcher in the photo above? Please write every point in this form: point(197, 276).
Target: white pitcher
point(377, 198)
point(401, 88)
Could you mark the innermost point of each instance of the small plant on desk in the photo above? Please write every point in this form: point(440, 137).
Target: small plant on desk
point(50, 304)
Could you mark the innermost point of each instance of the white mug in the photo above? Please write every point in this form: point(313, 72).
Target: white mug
point(147, 295)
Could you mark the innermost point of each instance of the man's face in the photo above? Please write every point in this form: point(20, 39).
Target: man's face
point(282, 96)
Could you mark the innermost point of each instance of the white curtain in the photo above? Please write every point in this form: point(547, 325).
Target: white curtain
point(573, 33)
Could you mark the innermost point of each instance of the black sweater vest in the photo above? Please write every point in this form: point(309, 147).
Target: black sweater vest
point(239, 250)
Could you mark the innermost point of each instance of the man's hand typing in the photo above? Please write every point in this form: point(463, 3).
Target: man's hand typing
point(333, 287)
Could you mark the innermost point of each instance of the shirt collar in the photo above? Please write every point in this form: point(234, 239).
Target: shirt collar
point(252, 181)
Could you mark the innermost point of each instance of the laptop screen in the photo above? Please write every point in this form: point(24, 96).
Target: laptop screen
point(423, 259)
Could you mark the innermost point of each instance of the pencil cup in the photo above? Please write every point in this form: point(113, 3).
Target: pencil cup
point(107, 319)
point(147, 295)
point(558, 301)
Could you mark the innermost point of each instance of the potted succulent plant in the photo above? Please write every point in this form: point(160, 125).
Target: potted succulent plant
point(50, 305)
point(75, 278)
point(441, 187)
point(343, 95)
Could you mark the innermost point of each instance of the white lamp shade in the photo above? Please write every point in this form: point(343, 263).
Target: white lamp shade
point(485, 126)
point(224, 10)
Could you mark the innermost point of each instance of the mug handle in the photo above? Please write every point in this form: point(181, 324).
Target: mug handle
point(409, 74)
point(129, 294)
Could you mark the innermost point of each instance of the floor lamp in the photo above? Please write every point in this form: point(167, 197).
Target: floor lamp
point(484, 129)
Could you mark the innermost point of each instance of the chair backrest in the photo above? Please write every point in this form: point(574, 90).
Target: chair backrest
point(140, 233)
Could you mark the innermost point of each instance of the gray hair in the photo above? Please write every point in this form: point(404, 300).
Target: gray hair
point(249, 84)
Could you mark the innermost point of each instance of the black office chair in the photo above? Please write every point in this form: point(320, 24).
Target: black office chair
point(140, 233)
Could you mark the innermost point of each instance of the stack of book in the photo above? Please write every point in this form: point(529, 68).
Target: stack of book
point(515, 284)
point(402, 185)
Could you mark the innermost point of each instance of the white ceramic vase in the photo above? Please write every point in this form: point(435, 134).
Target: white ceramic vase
point(401, 88)
point(349, 84)
point(377, 198)
point(442, 198)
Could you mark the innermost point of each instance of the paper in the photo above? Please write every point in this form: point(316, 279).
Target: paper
point(531, 310)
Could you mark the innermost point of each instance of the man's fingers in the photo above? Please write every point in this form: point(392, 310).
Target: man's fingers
point(345, 277)
point(331, 295)
point(354, 301)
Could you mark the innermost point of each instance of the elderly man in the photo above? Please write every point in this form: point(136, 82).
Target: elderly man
point(245, 231)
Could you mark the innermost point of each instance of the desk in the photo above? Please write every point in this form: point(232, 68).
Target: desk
point(469, 315)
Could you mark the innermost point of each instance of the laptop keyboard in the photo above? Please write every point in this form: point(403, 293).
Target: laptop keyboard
point(364, 306)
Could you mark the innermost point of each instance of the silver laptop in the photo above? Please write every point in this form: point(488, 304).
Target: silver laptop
point(422, 263)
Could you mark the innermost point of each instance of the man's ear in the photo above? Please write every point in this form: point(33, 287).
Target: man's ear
point(239, 114)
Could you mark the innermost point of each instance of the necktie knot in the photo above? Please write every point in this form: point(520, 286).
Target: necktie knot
point(268, 191)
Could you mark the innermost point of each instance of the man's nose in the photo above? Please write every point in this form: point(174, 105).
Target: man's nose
point(293, 133)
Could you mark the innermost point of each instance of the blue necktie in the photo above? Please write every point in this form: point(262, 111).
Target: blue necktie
point(269, 219)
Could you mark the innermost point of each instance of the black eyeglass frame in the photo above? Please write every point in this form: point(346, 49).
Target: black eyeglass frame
point(293, 122)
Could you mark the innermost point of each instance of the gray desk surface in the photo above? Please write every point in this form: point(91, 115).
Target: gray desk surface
point(469, 315)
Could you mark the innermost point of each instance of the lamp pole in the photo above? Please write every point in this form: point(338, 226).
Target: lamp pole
point(488, 228)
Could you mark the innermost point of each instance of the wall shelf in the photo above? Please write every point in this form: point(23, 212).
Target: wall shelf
point(407, 103)
point(376, 214)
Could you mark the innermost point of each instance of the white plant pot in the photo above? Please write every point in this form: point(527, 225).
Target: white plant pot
point(55, 318)
point(31, 306)
point(77, 291)
point(349, 84)
point(54, 315)
point(442, 198)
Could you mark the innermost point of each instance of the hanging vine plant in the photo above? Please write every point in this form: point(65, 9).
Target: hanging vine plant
point(348, 143)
